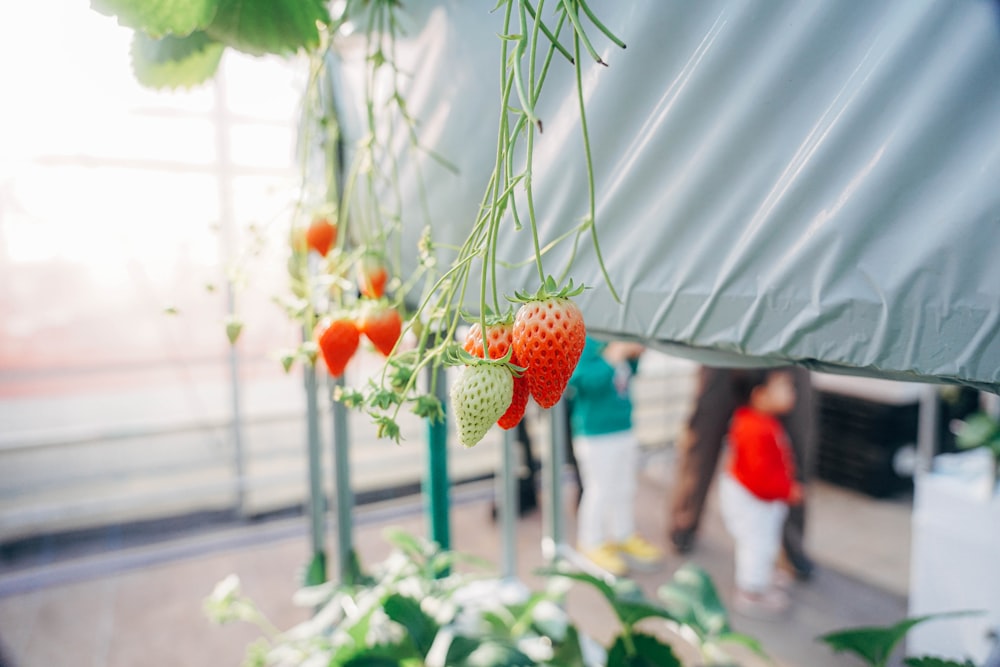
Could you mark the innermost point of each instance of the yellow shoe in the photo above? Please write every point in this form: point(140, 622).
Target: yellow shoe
point(639, 553)
point(606, 557)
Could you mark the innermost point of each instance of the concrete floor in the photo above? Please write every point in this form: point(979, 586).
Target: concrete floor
point(142, 606)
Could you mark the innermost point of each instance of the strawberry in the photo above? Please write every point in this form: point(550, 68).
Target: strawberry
point(372, 276)
point(549, 335)
point(321, 235)
point(518, 403)
point(338, 341)
point(382, 325)
point(499, 337)
point(479, 398)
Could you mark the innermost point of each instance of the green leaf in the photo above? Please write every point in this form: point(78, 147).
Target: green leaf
point(649, 652)
point(978, 430)
point(158, 18)
point(625, 597)
point(496, 653)
point(418, 550)
point(693, 599)
point(568, 652)
point(175, 62)
point(429, 407)
point(739, 638)
point(382, 655)
point(875, 644)
point(929, 661)
point(233, 329)
point(460, 649)
point(259, 27)
point(316, 572)
point(420, 627)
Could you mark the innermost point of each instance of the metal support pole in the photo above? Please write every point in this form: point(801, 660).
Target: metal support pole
point(553, 520)
point(344, 496)
point(508, 506)
point(227, 224)
point(927, 425)
point(316, 573)
point(436, 481)
point(239, 459)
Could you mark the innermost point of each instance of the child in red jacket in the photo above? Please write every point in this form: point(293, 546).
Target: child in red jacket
point(758, 486)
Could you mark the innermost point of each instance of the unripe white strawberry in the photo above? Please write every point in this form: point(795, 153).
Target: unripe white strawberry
point(479, 398)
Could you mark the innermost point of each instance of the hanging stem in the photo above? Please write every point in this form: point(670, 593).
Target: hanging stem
point(592, 215)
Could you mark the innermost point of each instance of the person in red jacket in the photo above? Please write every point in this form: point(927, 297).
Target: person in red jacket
point(758, 486)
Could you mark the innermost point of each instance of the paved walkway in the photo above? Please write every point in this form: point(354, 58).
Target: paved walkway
point(143, 606)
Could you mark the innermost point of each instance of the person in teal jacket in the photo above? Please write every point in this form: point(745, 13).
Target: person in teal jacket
point(607, 453)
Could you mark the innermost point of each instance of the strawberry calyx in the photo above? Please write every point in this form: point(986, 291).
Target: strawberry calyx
point(549, 290)
point(488, 317)
point(455, 355)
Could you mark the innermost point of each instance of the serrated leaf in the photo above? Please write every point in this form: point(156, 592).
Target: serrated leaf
point(649, 652)
point(259, 27)
point(175, 62)
point(158, 18)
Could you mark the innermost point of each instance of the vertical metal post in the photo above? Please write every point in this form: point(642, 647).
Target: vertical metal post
point(927, 425)
point(553, 520)
point(227, 224)
point(436, 482)
point(344, 496)
point(317, 499)
point(509, 505)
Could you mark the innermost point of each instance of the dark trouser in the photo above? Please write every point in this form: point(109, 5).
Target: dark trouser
point(700, 446)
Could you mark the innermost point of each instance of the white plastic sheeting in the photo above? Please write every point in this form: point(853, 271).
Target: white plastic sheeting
point(808, 182)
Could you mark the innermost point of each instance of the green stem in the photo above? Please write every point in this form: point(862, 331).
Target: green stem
point(600, 26)
point(590, 171)
point(575, 20)
point(522, 42)
point(552, 38)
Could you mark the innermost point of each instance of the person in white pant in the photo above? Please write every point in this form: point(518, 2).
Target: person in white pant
point(758, 486)
point(607, 451)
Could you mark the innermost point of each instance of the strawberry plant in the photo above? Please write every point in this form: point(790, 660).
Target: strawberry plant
point(424, 606)
point(345, 237)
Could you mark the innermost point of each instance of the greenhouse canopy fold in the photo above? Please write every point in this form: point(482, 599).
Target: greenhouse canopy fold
point(814, 183)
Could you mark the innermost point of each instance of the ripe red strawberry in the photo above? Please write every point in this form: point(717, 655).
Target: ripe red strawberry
point(372, 276)
point(499, 338)
point(549, 335)
point(382, 325)
point(518, 403)
point(338, 341)
point(478, 399)
point(321, 235)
